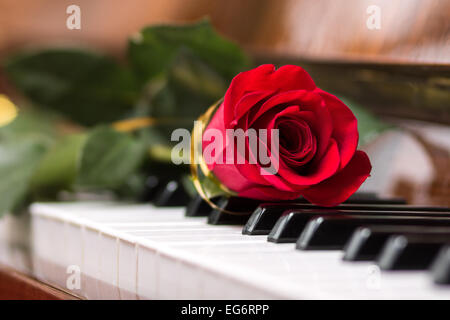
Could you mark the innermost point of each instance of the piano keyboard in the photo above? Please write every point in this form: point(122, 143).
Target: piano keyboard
point(127, 251)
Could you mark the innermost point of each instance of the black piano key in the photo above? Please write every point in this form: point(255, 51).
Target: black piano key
point(242, 207)
point(198, 207)
point(152, 187)
point(372, 198)
point(364, 209)
point(290, 225)
point(260, 222)
point(367, 242)
point(266, 215)
point(332, 232)
point(411, 252)
point(172, 195)
point(269, 213)
point(441, 266)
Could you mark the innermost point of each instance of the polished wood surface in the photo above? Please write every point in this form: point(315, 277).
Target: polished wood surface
point(400, 90)
point(17, 286)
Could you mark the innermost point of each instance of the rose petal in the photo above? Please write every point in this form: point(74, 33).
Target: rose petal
point(265, 77)
point(248, 101)
point(342, 185)
point(345, 126)
point(321, 125)
point(283, 99)
point(311, 108)
point(317, 172)
point(299, 144)
point(268, 194)
point(231, 177)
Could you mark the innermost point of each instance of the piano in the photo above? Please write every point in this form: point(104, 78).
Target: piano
point(379, 249)
point(389, 241)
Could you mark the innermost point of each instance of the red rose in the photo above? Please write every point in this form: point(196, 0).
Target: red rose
point(318, 137)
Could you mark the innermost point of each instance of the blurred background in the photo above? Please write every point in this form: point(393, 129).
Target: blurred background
point(411, 30)
point(401, 70)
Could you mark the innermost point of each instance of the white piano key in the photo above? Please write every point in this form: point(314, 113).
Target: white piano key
point(180, 257)
point(168, 276)
point(39, 243)
point(73, 256)
point(53, 252)
point(108, 277)
point(214, 286)
point(91, 263)
point(189, 281)
point(125, 227)
point(147, 273)
point(243, 291)
point(127, 261)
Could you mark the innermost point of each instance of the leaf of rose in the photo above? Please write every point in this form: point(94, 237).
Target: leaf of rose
point(153, 49)
point(108, 157)
point(30, 131)
point(86, 87)
point(31, 123)
point(18, 160)
point(58, 168)
point(190, 88)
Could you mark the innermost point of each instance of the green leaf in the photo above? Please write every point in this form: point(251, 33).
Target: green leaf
point(18, 160)
point(86, 87)
point(369, 126)
point(185, 69)
point(31, 124)
point(153, 49)
point(191, 87)
point(58, 169)
point(188, 185)
point(211, 188)
point(108, 158)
